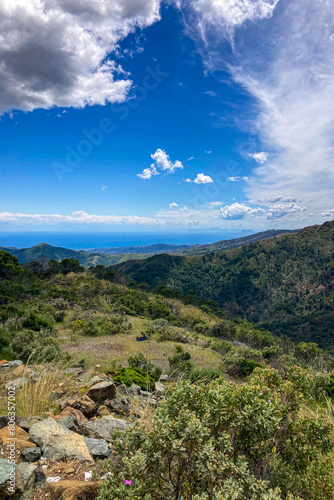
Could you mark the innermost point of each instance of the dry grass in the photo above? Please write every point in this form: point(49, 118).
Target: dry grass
point(34, 396)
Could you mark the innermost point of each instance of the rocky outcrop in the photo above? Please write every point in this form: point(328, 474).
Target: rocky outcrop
point(102, 428)
point(57, 442)
point(102, 391)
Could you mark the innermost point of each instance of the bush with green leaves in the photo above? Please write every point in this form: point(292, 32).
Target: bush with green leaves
point(137, 376)
point(225, 441)
point(114, 324)
point(180, 361)
point(43, 346)
point(141, 361)
point(204, 374)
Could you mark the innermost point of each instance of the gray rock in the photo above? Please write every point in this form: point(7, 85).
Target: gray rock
point(152, 402)
point(102, 428)
point(94, 380)
point(70, 423)
point(164, 378)
point(31, 454)
point(17, 383)
point(98, 448)
point(7, 472)
point(26, 423)
point(73, 371)
point(15, 363)
point(57, 442)
point(25, 480)
point(4, 366)
point(87, 375)
point(159, 389)
point(102, 391)
point(40, 477)
point(135, 390)
point(145, 394)
point(122, 389)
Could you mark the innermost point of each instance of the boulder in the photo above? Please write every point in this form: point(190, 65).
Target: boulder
point(19, 371)
point(25, 480)
point(31, 454)
point(15, 363)
point(122, 389)
point(26, 423)
point(71, 423)
point(69, 411)
point(98, 448)
point(87, 375)
point(4, 362)
point(94, 380)
point(75, 490)
point(85, 404)
point(101, 391)
point(20, 444)
point(135, 390)
point(19, 433)
point(103, 411)
point(159, 389)
point(16, 383)
point(102, 428)
point(57, 442)
point(164, 378)
point(7, 472)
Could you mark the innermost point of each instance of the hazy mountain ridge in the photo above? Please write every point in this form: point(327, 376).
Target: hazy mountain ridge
point(285, 283)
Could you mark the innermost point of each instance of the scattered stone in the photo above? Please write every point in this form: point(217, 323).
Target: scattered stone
point(152, 402)
point(72, 412)
point(98, 448)
point(94, 380)
point(70, 423)
point(17, 383)
point(122, 389)
point(97, 366)
point(20, 370)
point(25, 479)
point(31, 454)
point(5, 433)
point(159, 389)
point(120, 407)
point(103, 411)
point(20, 444)
point(58, 442)
point(102, 428)
point(6, 471)
point(75, 490)
point(164, 378)
point(73, 371)
point(40, 477)
point(135, 389)
point(26, 423)
point(102, 391)
point(145, 394)
point(84, 404)
point(87, 375)
point(4, 362)
point(15, 363)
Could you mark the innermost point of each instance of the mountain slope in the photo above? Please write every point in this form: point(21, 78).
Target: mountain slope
point(285, 283)
point(234, 243)
point(143, 250)
point(86, 259)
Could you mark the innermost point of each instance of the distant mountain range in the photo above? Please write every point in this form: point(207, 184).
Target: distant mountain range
point(284, 283)
point(115, 255)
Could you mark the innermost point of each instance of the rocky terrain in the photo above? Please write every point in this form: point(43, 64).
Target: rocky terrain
point(60, 454)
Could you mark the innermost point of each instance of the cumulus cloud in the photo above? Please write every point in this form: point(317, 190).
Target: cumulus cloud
point(173, 205)
point(162, 162)
point(260, 158)
point(56, 53)
point(238, 211)
point(279, 211)
point(201, 179)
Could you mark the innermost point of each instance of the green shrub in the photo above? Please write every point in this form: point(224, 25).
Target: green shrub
point(248, 366)
point(180, 361)
point(330, 386)
point(224, 441)
point(204, 374)
point(137, 376)
point(113, 325)
point(43, 345)
point(141, 361)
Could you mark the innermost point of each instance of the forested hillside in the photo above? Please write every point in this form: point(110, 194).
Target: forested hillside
point(284, 283)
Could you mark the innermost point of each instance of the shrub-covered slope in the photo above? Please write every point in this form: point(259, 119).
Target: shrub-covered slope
point(284, 283)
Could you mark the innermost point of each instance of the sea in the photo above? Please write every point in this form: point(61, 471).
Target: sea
point(87, 240)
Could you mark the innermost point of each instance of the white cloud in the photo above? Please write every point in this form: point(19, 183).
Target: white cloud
point(163, 163)
point(201, 179)
point(191, 158)
point(230, 14)
point(275, 199)
point(148, 172)
point(237, 179)
point(279, 211)
point(53, 53)
point(215, 204)
point(211, 93)
point(260, 158)
point(329, 213)
point(208, 152)
point(104, 187)
point(238, 211)
point(173, 205)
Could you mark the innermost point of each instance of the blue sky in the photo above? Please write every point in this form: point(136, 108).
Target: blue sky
point(172, 115)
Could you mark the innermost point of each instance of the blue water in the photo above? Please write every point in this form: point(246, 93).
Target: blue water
point(78, 241)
